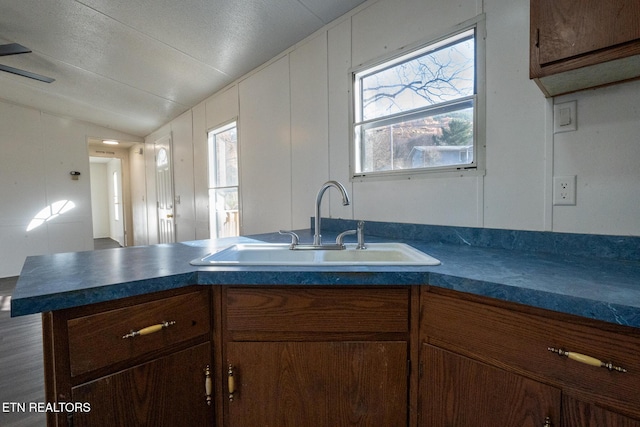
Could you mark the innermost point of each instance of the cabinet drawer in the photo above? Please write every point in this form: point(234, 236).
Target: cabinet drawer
point(328, 310)
point(98, 340)
point(520, 341)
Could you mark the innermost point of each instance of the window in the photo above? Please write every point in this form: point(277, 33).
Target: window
point(419, 112)
point(224, 212)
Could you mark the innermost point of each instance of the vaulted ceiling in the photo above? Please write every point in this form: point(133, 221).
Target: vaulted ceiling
point(133, 65)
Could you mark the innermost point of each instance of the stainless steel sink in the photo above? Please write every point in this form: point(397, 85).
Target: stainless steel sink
point(281, 254)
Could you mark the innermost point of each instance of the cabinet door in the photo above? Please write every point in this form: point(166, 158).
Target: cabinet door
point(318, 384)
point(169, 391)
point(569, 28)
point(580, 414)
point(461, 392)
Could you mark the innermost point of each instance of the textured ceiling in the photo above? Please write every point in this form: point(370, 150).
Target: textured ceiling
point(134, 65)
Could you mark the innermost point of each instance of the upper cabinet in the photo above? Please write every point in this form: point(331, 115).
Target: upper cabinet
point(585, 44)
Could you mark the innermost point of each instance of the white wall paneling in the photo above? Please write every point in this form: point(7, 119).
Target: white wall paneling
point(265, 138)
point(200, 170)
point(293, 125)
point(388, 25)
point(138, 190)
point(516, 130)
point(309, 127)
point(339, 63)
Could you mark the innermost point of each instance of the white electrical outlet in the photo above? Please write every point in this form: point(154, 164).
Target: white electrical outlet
point(564, 190)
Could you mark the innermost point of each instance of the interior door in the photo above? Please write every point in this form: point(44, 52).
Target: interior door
point(164, 184)
point(116, 216)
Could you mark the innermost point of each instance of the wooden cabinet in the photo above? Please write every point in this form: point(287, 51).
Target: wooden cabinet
point(335, 356)
point(136, 362)
point(317, 356)
point(463, 392)
point(578, 45)
point(504, 348)
point(167, 391)
point(580, 414)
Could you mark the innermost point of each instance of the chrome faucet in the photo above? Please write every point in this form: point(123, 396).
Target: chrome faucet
point(317, 236)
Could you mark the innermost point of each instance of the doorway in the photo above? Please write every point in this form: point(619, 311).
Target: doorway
point(106, 199)
point(110, 193)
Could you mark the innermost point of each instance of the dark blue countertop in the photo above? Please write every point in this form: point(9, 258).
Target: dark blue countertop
point(598, 287)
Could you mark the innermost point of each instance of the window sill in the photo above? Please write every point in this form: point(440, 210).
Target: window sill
point(413, 174)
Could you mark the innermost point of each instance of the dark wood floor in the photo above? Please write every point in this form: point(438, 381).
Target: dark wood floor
point(105, 243)
point(21, 365)
point(21, 369)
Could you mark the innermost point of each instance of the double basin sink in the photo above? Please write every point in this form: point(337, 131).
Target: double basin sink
point(265, 254)
point(294, 254)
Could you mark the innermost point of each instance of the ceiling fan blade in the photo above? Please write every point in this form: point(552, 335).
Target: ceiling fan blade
point(13, 49)
point(26, 74)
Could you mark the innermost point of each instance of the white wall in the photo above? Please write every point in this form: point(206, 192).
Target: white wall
point(138, 188)
point(38, 152)
point(294, 134)
point(604, 154)
point(265, 140)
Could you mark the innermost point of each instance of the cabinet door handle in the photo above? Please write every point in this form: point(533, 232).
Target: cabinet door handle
point(149, 329)
point(231, 383)
point(208, 388)
point(588, 360)
point(547, 422)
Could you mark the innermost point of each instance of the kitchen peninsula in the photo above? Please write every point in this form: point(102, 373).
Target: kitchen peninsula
point(144, 336)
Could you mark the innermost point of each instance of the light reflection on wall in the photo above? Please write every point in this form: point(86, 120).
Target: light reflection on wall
point(50, 212)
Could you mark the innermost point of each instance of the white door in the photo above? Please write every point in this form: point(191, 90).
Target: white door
point(164, 183)
point(117, 219)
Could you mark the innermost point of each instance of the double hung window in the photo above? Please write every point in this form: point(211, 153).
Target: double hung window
point(418, 112)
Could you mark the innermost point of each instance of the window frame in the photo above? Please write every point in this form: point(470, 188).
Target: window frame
point(406, 53)
point(211, 157)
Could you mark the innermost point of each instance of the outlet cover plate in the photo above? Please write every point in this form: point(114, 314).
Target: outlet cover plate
point(564, 190)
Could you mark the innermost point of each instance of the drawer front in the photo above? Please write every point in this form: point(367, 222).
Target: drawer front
point(101, 339)
point(520, 341)
point(328, 310)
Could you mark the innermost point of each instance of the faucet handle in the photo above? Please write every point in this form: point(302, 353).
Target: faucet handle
point(340, 238)
point(360, 232)
point(295, 240)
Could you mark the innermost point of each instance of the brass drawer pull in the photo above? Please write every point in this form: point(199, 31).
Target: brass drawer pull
point(208, 387)
point(149, 329)
point(547, 422)
point(583, 358)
